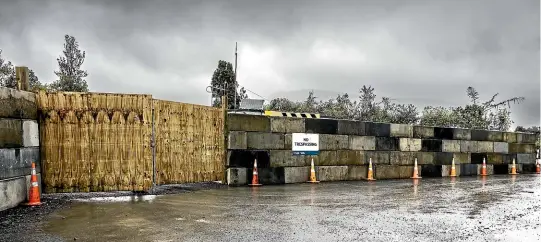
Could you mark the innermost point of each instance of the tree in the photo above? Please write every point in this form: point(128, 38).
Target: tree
point(70, 75)
point(224, 78)
point(8, 77)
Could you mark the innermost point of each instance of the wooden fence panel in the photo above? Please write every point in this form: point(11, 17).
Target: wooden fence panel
point(189, 142)
point(95, 141)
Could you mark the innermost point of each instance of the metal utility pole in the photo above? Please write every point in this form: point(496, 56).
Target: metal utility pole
point(236, 83)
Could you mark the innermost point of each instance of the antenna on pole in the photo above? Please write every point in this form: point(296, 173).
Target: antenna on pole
point(236, 83)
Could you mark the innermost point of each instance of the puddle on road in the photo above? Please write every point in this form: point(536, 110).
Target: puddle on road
point(142, 198)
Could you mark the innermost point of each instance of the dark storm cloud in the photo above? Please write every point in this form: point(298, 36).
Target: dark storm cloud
point(424, 52)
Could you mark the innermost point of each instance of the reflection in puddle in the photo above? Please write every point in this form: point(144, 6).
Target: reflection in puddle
point(143, 198)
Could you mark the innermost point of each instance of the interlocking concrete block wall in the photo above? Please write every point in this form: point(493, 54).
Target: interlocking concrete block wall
point(347, 146)
point(19, 145)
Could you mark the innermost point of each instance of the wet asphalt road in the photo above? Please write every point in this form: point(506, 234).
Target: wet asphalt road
point(497, 208)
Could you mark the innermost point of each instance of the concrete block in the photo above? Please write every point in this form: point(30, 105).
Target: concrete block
point(288, 140)
point(296, 174)
point(252, 123)
point(326, 158)
point(387, 143)
point(525, 159)
point(467, 146)
point(17, 104)
point(17, 162)
point(11, 133)
point(264, 141)
point(351, 157)
point(350, 127)
point(237, 176)
point(378, 157)
point(12, 192)
point(508, 158)
point(443, 158)
point(333, 142)
point(382, 172)
point(526, 138)
point(423, 132)
point(402, 158)
point(446, 170)
point(245, 158)
point(378, 129)
point(30, 133)
point(407, 171)
point(426, 158)
point(269, 176)
point(450, 146)
point(517, 166)
point(522, 148)
point(286, 125)
point(332, 173)
point(431, 145)
point(362, 142)
point(237, 140)
point(485, 146)
point(432, 170)
point(357, 173)
point(494, 158)
point(479, 135)
point(401, 130)
point(285, 158)
point(528, 168)
point(461, 134)
point(510, 137)
point(496, 136)
point(462, 158)
point(501, 147)
point(490, 169)
point(443, 133)
point(468, 169)
point(321, 126)
point(410, 144)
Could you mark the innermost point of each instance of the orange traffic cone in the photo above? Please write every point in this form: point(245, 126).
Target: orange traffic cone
point(313, 173)
point(370, 176)
point(415, 171)
point(255, 177)
point(537, 161)
point(513, 168)
point(484, 168)
point(34, 197)
point(453, 169)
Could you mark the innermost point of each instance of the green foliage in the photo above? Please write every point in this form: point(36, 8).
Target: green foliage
point(224, 78)
point(8, 77)
point(70, 75)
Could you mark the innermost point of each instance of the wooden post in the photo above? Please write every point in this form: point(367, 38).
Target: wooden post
point(226, 136)
point(21, 73)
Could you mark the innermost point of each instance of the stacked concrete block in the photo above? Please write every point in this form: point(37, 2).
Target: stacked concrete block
point(237, 176)
point(346, 146)
point(19, 145)
point(490, 169)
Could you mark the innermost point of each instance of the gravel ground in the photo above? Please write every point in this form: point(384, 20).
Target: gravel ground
point(22, 223)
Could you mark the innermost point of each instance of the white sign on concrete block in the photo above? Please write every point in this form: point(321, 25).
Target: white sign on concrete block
point(305, 144)
point(30, 133)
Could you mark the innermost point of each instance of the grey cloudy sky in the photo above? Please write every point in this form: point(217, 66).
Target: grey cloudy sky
point(425, 52)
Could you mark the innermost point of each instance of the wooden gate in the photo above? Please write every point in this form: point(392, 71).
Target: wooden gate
point(102, 142)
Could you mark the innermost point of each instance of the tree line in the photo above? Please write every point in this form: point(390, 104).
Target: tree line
point(70, 75)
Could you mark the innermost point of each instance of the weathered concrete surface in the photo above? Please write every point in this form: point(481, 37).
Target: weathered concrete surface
point(378, 157)
point(450, 146)
point(494, 208)
point(401, 130)
point(446, 158)
point(525, 158)
point(286, 125)
point(11, 133)
point(356, 173)
point(350, 157)
point(237, 140)
point(496, 136)
point(265, 141)
point(253, 123)
point(321, 126)
point(402, 158)
point(333, 142)
point(349, 127)
point(526, 138)
point(485, 146)
point(30, 133)
point(469, 146)
point(492, 158)
point(518, 167)
point(17, 162)
point(510, 137)
point(490, 169)
point(362, 142)
point(269, 176)
point(12, 192)
point(296, 174)
point(501, 147)
point(285, 158)
point(17, 104)
point(468, 169)
point(237, 176)
point(521, 148)
point(446, 170)
point(423, 132)
point(332, 173)
point(394, 172)
point(410, 144)
point(479, 135)
point(378, 129)
point(461, 134)
point(387, 143)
